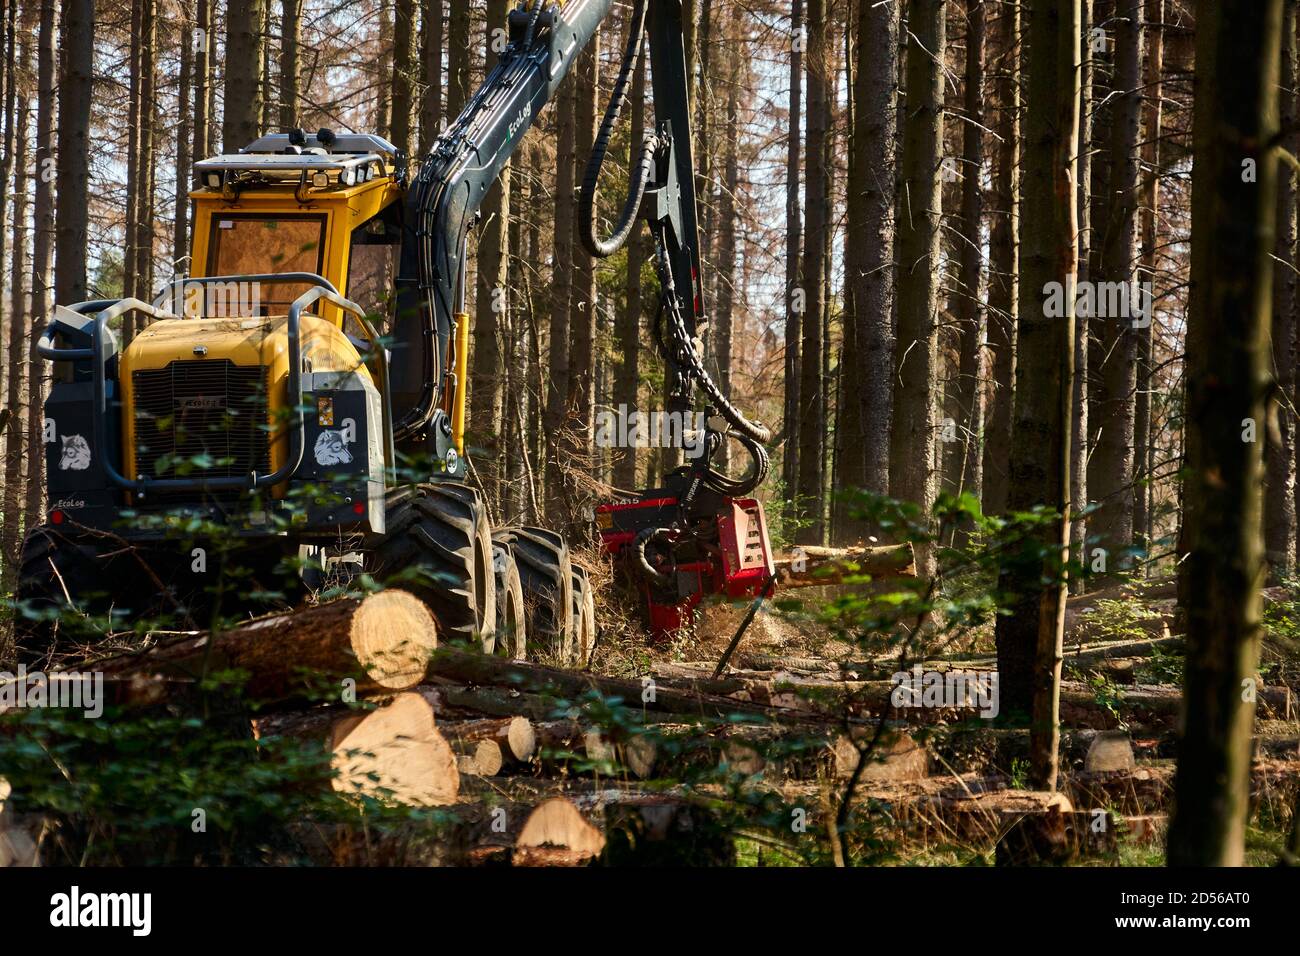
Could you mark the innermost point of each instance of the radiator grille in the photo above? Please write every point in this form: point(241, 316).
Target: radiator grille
point(213, 410)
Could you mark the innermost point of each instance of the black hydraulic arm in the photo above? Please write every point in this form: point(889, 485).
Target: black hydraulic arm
point(451, 184)
point(453, 180)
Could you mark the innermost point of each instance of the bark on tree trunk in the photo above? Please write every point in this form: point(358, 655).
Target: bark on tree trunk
point(812, 426)
point(912, 441)
point(1279, 455)
point(73, 171)
point(1116, 307)
point(403, 73)
point(561, 292)
point(628, 329)
point(243, 87)
point(1029, 639)
point(15, 434)
point(794, 296)
point(431, 60)
point(42, 257)
point(184, 138)
point(490, 306)
point(290, 28)
point(1144, 457)
point(1233, 219)
point(203, 45)
point(1079, 418)
point(1003, 266)
point(970, 314)
point(868, 358)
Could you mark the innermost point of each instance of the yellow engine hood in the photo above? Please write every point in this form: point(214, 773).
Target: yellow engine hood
point(261, 341)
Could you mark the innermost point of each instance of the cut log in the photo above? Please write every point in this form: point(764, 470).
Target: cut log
point(393, 752)
point(809, 566)
point(897, 757)
point(479, 758)
point(382, 641)
point(1110, 750)
point(556, 833)
point(464, 667)
point(514, 736)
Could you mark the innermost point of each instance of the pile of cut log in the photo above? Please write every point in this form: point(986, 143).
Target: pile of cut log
point(534, 765)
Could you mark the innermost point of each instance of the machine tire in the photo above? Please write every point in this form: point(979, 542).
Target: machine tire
point(512, 625)
point(443, 529)
point(584, 617)
point(56, 564)
point(547, 575)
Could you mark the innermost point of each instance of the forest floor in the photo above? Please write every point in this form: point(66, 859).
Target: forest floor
point(951, 788)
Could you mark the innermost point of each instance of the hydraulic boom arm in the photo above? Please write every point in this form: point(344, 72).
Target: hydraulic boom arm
point(453, 180)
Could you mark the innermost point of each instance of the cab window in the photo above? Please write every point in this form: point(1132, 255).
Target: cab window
point(249, 245)
point(372, 265)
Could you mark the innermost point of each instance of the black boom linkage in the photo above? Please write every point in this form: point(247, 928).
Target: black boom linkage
point(454, 179)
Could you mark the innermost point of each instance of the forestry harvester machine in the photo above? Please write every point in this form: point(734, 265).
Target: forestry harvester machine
point(284, 392)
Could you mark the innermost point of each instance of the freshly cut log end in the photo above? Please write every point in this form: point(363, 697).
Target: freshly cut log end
point(382, 642)
point(395, 753)
point(556, 824)
point(394, 636)
point(897, 758)
point(482, 760)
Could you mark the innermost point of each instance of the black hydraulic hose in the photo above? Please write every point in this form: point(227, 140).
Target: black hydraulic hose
point(639, 176)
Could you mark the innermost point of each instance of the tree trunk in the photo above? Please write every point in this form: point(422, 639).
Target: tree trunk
point(912, 440)
point(812, 425)
point(1029, 639)
point(491, 305)
point(583, 304)
point(628, 328)
point(381, 643)
point(868, 358)
point(1079, 418)
point(290, 29)
point(384, 99)
point(42, 257)
point(1003, 266)
point(1280, 499)
point(181, 199)
point(431, 65)
point(562, 290)
point(146, 175)
point(16, 399)
point(1232, 241)
point(394, 752)
point(458, 59)
point(795, 299)
point(970, 314)
point(8, 15)
point(75, 89)
point(404, 73)
point(243, 88)
point(1143, 439)
point(131, 229)
point(1110, 482)
point(203, 45)
point(728, 282)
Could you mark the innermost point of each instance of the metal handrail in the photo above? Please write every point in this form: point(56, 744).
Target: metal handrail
point(107, 309)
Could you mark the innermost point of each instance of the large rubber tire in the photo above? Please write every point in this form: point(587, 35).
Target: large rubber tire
point(512, 624)
point(584, 618)
point(57, 565)
point(442, 530)
point(547, 575)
